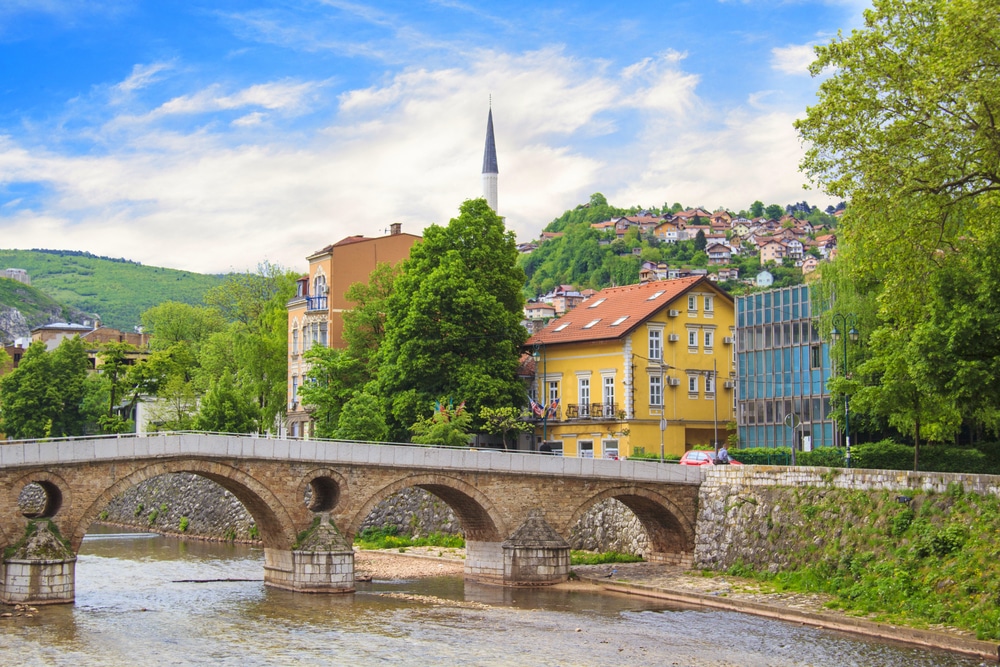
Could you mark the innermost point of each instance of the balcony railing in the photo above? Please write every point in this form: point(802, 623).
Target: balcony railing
point(591, 410)
point(316, 303)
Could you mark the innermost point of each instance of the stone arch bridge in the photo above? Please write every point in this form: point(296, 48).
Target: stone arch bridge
point(309, 498)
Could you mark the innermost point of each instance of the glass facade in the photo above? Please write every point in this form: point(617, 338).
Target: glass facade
point(782, 368)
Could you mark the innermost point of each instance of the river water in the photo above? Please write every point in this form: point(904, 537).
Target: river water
point(148, 600)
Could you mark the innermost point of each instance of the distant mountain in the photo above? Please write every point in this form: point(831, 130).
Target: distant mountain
point(116, 290)
point(23, 308)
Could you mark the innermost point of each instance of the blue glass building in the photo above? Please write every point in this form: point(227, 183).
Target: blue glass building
point(782, 368)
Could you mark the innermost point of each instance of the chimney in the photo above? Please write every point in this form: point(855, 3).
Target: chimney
point(395, 228)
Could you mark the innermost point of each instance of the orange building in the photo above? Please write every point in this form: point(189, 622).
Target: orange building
point(316, 314)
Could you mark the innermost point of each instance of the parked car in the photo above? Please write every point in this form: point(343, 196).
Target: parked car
point(697, 457)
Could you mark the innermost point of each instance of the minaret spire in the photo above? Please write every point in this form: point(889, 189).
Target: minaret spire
point(490, 170)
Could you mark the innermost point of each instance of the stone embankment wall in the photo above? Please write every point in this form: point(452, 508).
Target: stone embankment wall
point(214, 513)
point(768, 517)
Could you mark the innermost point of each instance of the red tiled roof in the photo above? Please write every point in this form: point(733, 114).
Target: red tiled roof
point(609, 305)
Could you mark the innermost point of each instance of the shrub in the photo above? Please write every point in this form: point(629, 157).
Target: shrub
point(591, 558)
point(139, 509)
point(185, 522)
point(153, 516)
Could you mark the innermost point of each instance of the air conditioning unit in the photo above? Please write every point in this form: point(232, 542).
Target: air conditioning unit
point(728, 340)
point(728, 384)
point(673, 313)
point(674, 382)
point(673, 338)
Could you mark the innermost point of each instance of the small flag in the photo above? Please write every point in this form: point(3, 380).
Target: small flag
point(535, 407)
point(553, 408)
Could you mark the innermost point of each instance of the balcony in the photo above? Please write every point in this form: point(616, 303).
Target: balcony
point(316, 303)
point(591, 411)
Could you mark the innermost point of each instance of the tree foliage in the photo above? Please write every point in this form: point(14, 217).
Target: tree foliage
point(453, 322)
point(45, 395)
point(906, 130)
point(224, 409)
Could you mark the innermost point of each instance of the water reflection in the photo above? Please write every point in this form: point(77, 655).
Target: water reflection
point(134, 607)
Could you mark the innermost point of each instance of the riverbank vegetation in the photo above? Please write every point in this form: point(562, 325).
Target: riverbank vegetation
point(388, 537)
point(927, 560)
point(600, 558)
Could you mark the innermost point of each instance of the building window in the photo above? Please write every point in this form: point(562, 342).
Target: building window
point(295, 340)
point(709, 384)
point(709, 339)
point(815, 357)
point(319, 285)
point(584, 397)
point(553, 391)
point(610, 448)
point(693, 338)
point(295, 388)
point(655, 344)
point(693, 303)
point(586, 449)
point(709, 303)
point(655, 390)
point(692, 384)
point(608, 395)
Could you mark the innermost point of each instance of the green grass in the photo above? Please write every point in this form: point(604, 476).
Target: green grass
point(388, 538)
point(592, 558)
point(933, 561)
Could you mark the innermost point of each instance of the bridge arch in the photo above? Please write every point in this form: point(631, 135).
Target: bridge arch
point(277, 530)
point(666, 525)
point(481, 520)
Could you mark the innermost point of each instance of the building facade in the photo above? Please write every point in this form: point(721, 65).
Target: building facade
point(316, 313)
point(638, 369)
point(782, 369)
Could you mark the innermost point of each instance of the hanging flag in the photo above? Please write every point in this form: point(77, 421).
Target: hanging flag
point(535, 407)
point(553, 408)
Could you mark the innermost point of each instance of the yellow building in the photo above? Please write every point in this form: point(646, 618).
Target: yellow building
point(645, 367)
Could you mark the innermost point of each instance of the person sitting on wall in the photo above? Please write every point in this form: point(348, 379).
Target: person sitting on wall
point(722, 458)
point(544, 448)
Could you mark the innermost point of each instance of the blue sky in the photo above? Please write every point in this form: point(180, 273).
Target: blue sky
point(212, 135)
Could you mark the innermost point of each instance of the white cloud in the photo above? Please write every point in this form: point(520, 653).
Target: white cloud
point(408, 150)
point(793, 59)
point(142, 76)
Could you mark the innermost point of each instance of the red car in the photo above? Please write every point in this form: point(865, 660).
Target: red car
point(697, 457)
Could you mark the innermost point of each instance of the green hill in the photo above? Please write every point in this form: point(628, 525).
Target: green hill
point(23, 307)
point(117, 290)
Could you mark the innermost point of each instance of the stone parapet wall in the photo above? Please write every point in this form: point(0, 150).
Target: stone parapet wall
point(854, 479)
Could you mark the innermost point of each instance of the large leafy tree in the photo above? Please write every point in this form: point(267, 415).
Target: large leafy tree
point(453, 322)
point(906, 129)
point(224, 409)
point(45, 395)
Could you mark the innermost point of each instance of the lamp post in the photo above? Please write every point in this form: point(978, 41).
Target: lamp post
point(539, 353)
point(846, 321)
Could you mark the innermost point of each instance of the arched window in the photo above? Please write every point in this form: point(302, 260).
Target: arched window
point(319, 285)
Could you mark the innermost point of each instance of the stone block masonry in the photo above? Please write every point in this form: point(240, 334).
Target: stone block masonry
point(759, 515)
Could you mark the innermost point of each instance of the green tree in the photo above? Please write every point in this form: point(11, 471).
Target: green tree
point(700, 242)
point(364, 324)
point(172, 322)
point(334, 376)
point(447, 426)
point(362, 418)
point(774, 211)
point(6, 363)
point(757, 209)
point(225, 409)
point(45, 395)
point(453, 322)
point(502, 421)
point(905, 129)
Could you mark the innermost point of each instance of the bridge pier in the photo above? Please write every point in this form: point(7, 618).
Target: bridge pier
point(321, 562)
point(534, 555)
point(41, 569)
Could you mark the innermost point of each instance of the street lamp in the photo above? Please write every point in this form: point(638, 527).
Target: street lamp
point(539, 353)
point(851, 321)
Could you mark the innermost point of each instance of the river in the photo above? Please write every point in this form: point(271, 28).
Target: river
point(147, 600)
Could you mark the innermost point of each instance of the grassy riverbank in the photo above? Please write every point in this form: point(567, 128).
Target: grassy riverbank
point(924, 561)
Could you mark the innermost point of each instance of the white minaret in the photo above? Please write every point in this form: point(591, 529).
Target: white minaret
point(490, 170)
